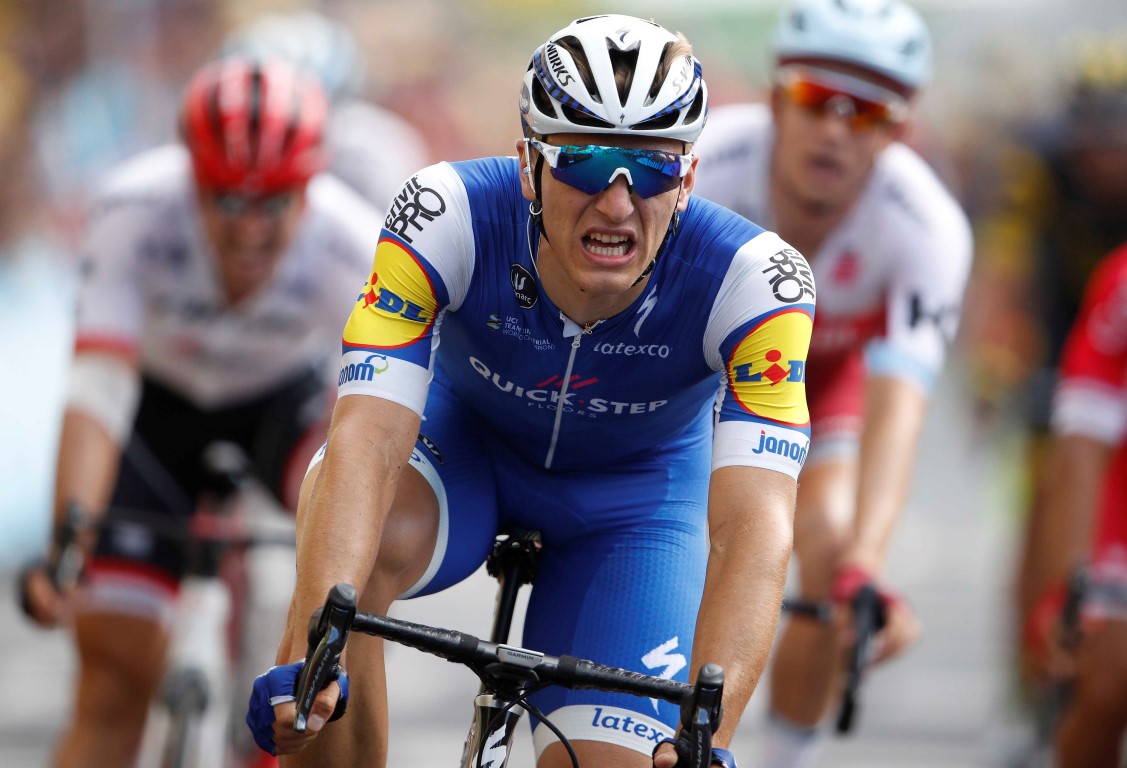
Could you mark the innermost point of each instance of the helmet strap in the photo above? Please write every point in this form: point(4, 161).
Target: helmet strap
point(674, 222)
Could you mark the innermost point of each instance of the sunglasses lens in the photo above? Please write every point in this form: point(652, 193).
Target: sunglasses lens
point(233, 204)
point(861, 113)
point(591, 169)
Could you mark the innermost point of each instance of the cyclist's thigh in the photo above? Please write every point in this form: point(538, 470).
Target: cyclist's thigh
point(626, 595)
point(138, 561)
point(121, 662)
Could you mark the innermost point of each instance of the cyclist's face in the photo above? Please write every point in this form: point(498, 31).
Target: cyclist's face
point(825, 148)
point(598, 244)
point(249, 234)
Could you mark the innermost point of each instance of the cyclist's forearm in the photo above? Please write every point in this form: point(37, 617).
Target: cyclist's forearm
point(340, 528)
point(894, 418)
point(1076, 465)
point(751, 530)
point(87, 465)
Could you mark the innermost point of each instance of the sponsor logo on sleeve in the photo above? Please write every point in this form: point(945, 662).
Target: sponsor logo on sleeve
point(767, 370)
point(524, 286)
point(398, 304)
point(790, 277)
point(414, 206)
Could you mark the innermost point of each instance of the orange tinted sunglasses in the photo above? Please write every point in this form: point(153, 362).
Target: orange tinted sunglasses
point(861, 105)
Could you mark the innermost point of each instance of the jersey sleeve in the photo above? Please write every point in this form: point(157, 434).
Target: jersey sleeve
point(423, 263)
point(924, 298)
point(111, 300)
point(1091, 399)
point(758, 336)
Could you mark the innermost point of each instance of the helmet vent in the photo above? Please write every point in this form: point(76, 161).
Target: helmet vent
point(541, 99)
point(623, 63)
point(697, 107)
point(582, 118)
point(582, 66)
point(660, 75)
point(668, 120)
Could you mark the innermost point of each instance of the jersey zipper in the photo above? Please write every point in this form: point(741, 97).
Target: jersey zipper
point(575, 341)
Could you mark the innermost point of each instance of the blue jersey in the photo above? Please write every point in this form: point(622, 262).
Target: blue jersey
point(713, 350)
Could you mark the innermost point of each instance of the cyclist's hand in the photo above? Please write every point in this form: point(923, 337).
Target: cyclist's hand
point(39, 597)
point(665, 755)
point(901, 627)
point(272, 710)
point(1049, 645)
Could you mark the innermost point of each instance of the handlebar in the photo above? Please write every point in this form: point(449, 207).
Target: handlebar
point(700, 704)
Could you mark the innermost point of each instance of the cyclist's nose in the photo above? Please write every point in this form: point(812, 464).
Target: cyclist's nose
point(615, 201)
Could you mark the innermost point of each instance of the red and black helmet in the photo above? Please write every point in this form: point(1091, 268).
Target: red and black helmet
point(252, 126)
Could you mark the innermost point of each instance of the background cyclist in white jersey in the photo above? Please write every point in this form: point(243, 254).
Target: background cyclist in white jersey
point(890, 250)
point(217, 275)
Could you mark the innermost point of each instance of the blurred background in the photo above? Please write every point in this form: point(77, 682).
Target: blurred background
point(84, 85)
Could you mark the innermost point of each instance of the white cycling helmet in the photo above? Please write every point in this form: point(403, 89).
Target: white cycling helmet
point(885, 36)
point(314, 43)
point(560, 97)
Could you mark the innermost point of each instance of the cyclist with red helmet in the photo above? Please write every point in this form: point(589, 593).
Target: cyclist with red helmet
point(216, 278)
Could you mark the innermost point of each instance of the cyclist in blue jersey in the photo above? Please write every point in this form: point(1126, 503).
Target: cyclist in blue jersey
point(621, 367)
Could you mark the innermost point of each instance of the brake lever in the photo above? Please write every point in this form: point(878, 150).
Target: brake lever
point(701, 714)
point(327, 635)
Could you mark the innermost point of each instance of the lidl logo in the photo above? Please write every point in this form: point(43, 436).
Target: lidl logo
point(767, 370)
point(398, 303)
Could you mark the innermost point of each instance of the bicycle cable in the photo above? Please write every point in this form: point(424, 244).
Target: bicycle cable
point(523, 703)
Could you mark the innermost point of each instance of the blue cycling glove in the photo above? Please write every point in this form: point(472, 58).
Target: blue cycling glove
point(275, 687)
point(720, 757)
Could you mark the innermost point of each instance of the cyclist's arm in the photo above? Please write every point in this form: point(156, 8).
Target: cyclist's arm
point(932, 260)
point(750, 518)
point(895, 410)
point(370, 441)
point(1077, 464)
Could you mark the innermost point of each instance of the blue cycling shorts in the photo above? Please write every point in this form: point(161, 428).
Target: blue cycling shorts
point(622, 568)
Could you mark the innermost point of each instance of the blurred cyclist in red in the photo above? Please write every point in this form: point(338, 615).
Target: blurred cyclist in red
point(216, 278)
point(1085, 514)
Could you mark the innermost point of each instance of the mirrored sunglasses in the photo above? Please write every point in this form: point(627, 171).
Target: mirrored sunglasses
point(862, 105)
point(235, 204)
point(591, 168)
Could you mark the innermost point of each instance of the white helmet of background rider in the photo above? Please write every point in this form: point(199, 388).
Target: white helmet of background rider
point(308, 41)
point(560, 97)
point(885, 36)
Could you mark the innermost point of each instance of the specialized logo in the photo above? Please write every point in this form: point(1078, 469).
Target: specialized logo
point(365, 371)
point(398, 303)
point(767, 370)
point(524, 286)
point(644, 310)
point(664, 659)
point(790, 277)
point(414, 202)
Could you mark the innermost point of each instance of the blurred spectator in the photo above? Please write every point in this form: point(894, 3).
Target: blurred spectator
point(110, 73)
point(35, 328)
point(1058, 208)
point(373, 149)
